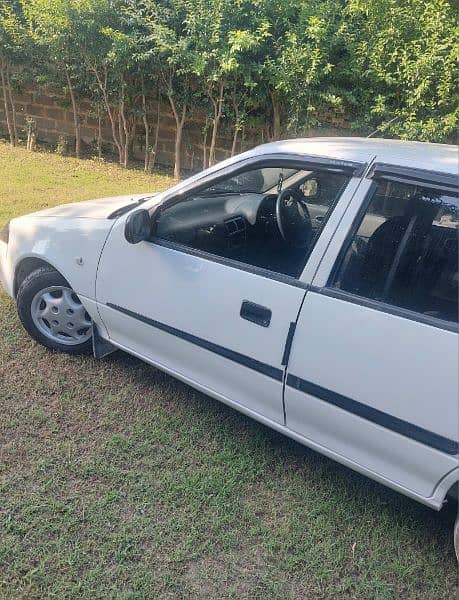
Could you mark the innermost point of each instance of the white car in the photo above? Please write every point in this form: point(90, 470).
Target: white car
point(311, 284)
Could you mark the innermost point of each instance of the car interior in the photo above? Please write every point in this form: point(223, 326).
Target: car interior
point(405, 251)
point(267, 217)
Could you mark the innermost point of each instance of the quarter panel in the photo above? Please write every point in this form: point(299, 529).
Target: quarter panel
point(401, 460)
point(403, 368)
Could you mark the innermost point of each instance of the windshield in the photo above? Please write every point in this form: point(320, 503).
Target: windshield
point(257, 181)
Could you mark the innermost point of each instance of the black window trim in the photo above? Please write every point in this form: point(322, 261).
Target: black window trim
point(351, 168)
point(300, 161)
point(396, 311)
point(444, 182)
point(331, 290)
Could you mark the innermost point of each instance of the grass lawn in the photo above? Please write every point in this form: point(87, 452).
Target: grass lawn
point(116, 481)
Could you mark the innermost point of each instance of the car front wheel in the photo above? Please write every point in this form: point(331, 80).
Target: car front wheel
point(456, 537)
point(52, 313)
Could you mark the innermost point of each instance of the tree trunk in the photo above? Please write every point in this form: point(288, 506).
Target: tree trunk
point(120, 136)
point(178, 152)
point(155, 145)
point(236, 125)
point(233, 146)
point(31, 134)
point(179, 123)
point(217, 104)
point(242, 139)
point(125, 128)
point(5, 100)
point(204, 148)
point(99, 134)
point(146, 166)
point(13, 107)
point(276, 117)
point(103, 89)
point(76, 120)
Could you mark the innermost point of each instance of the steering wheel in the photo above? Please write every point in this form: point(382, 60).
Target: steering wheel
point(293, 219)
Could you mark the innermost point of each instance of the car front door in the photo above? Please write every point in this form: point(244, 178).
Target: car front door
point(211, 298)
point(372, 376)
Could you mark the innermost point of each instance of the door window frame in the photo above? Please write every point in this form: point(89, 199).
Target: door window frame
point(353, 169)
point(324, 280)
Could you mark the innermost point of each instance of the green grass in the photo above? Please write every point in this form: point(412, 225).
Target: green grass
point(29, 182)
point(116, 481)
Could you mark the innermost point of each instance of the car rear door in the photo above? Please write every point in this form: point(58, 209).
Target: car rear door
point(372, 377)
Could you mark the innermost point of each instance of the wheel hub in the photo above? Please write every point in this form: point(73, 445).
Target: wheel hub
point(59, 315)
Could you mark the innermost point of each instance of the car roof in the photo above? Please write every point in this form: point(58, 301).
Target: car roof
point(420, 155)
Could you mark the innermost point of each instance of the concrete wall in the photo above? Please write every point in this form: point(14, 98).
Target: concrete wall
point(53, 118)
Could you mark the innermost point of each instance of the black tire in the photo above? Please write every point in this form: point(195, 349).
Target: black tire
point(456, 537)
point(39, 280)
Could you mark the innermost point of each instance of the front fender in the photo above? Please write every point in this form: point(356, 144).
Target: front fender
point(6, 279)
point(71, 246)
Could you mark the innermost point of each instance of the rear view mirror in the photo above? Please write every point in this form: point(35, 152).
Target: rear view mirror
point(138, 226)
point(310, 188)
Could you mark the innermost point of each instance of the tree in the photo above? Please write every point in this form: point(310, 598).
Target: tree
point(404, 58)
point(7, 24)
point(308, 85)
point(275, 20)
point(14, 52)
point(57, 27)
point(119, 61)
point(208, 25)
point(164, 24)
point(272, 67)
point(108, 51)
point(146, 65)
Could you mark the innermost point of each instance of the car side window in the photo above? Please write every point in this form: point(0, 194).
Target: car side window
point(260, 217)
point(405, 251)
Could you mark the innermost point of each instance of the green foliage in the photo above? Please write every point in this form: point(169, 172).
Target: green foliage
point(387, 65)
point(407, 54)
point(12, 31)
point(16, 46)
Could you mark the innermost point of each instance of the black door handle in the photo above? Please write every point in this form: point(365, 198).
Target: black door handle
point(255, 313)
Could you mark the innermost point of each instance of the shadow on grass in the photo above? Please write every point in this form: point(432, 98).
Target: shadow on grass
point(286, 454)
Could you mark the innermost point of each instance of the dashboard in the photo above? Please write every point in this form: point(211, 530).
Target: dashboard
point(241, 227)
point(221, 218)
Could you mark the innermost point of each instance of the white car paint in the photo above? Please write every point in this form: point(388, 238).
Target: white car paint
point(388, 363)
point(202, 298)
point(70, 237)
point(100, 208)
point(70, 245)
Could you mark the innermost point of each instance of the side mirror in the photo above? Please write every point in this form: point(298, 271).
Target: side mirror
point(138, 226)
